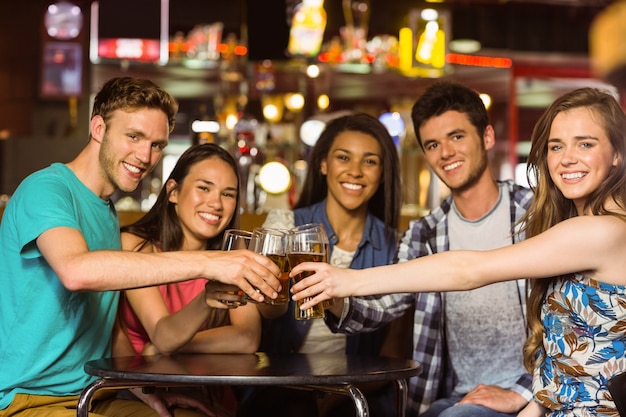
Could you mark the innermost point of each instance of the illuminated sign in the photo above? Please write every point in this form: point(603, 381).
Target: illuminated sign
point(140, 33)
point(423, 44)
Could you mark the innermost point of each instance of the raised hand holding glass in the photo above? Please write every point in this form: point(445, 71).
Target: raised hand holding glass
point(307, 244)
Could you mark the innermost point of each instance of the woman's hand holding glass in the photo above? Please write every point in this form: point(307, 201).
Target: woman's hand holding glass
point(220, 295)
point(307, 243)
point(322, 282)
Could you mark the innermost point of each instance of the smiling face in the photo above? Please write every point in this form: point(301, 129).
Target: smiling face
point(205, 201)
point(353, 169)
point(131, 145)
point(454, 149)
point(579, 154)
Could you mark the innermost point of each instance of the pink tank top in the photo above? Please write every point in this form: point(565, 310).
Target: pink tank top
point(175, 296)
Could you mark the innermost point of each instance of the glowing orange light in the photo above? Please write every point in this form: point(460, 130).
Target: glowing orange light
point(479, 61)
point(240, 50)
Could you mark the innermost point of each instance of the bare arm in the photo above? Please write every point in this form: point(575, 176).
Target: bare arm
point(167, 332)
point(594, 244)
point(532, 410)
point(80, 269)
point(271, 312)
point(120, 345)
point(243, 335)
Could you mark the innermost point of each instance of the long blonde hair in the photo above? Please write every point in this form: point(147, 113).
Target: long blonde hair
point(550, 207)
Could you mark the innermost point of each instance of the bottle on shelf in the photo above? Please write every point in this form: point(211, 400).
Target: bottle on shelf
point(307, 28)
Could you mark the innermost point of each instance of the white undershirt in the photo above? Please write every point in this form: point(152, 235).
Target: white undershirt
point(319, 338)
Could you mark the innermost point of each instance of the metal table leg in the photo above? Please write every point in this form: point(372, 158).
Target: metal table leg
point(360, 403)
point(84, 400)
point(402, 396)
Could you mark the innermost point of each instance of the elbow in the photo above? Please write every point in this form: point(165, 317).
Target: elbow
point(251, 348)
point(75, 278)
point(164, 343)
point(250, 342)
point(166, 350)
point(72, 282)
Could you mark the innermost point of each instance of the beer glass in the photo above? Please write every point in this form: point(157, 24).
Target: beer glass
point(318, 228)
point(273, 244)
point(307, 244)
point(236, 239)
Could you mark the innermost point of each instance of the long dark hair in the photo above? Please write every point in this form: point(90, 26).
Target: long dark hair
point(386, 202)
point(161, 225)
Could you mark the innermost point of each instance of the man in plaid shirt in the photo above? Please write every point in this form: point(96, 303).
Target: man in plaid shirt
point(469, 342)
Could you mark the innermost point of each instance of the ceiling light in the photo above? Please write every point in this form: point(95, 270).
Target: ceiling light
point(323, 101)
point(394, 124)
point(199, 126)
point(310, 131)
point(294, 101)
point(274, 178)
point(313, 71)
point(464, 46)
point(486, 98)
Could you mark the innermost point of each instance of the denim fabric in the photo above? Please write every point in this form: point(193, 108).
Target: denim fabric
point(377, 247)
point(446, 408)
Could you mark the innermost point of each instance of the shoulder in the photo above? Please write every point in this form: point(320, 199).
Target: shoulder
point(52, 188)
point(376, 231)
point(436, 217)
point(593, 235)
point(51, 179)
point(313, 213)
point(595, 243)
point(520, 195)
point(603, 227)
point(131, 242)
point(422, 229)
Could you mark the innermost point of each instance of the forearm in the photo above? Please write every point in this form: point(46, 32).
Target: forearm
point(174, 331)
point(225, 339)
point(435, 274)
point(523, 386)
point(120, 344)
point(366, 314)
point(115, 270)
point(532, 410)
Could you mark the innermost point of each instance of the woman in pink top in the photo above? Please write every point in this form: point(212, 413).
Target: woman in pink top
point(197, 204)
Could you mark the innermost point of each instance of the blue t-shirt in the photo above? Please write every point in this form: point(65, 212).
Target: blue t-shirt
point(47, 332)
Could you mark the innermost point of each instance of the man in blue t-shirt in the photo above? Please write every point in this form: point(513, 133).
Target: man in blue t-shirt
point(60, 258)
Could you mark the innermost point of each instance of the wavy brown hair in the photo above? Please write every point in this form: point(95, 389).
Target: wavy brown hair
point(126, 93)
point(550, 207)
point(161, 225)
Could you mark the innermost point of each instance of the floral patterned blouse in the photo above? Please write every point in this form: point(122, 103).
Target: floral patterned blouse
point(584, 342)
